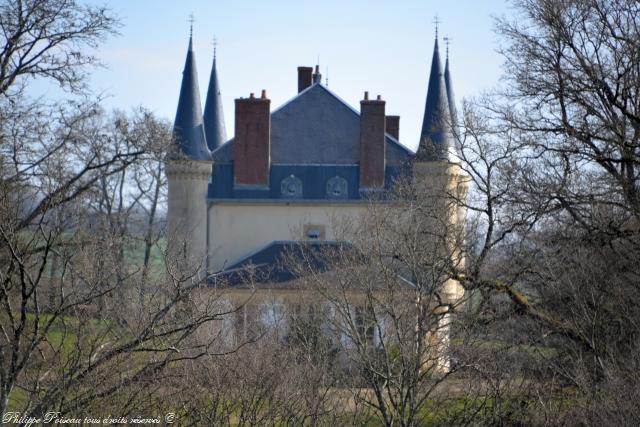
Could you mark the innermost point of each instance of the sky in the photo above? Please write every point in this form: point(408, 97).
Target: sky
point(384, 47)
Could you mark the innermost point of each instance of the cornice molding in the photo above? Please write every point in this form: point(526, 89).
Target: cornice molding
point(188, 169)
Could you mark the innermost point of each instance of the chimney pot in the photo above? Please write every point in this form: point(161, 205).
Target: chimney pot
point(317, 77)
point(379, 98)
point(251, 95)
point(366, 95)
point(264, 94)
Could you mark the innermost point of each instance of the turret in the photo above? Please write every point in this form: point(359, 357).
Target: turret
point(453, 113)
point(437, 164)
point(188, 168)
point(436, 138)
point(442, 184)
point(214, 126)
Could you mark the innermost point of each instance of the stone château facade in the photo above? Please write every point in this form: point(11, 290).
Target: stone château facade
point(289, 171)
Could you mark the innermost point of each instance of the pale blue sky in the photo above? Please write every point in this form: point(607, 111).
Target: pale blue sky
point(384, 47)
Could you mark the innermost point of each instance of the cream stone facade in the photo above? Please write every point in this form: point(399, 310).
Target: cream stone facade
point(187, 207)
point(236, 230)
point(304, 174)
point(446, 185)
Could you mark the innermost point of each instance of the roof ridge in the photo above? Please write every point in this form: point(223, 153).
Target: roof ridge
point(330, 92)
point(398, 143)
point(317, 92)
point(319, 84)
point(236, 264)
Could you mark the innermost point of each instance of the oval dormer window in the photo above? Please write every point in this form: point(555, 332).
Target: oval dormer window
point(337, 188)
point(291, 187)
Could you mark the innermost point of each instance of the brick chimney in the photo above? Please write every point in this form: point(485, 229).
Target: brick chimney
point(372, 145)
point(392, 124)
point(252, 145)
point(305, 78)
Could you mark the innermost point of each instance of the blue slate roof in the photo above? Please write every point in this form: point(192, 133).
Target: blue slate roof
point(270, 266)
point(449, 88)
point(270, 263)
point(317, 127)
point(436, 139)
point(214, 126)
point(453, 113)
point(315, 136)
point(314, 180)
point(188, 127)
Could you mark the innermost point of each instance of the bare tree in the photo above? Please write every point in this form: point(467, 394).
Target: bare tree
point(130, 202)
point(389, 302)
point(50, 39)
point(573, 90)
point(75, 337)
point(554, 164)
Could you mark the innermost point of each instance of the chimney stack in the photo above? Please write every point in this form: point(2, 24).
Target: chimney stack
point(304, 78)
point(393, 126)
point(252, 146)
point(372, 143)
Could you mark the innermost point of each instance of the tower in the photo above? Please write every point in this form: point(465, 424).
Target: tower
point(437, 164)
point(188, 168)
point(214, 126)
point(436, 137)
point(443, 185)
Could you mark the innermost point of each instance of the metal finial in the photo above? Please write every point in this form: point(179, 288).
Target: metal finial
point(191, 20)
point(447, 41)
point(215, 47)
point(436, 21)
point(326, 79)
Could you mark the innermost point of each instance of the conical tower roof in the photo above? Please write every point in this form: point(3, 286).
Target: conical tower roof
point(214, 125)
point(450, 97)
point(453, 112)
point(436, 139)
point(188, 126)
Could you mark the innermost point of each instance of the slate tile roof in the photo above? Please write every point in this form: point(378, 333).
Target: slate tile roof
point(317, 127)
point(188, 126)
point(270, 264)
point(214, 126)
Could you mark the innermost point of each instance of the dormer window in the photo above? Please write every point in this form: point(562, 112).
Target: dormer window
point(291, 187)
point(337, 188)
point(313, 233)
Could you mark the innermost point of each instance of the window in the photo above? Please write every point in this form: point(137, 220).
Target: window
point(337, 188)
point(291, 187)
point(314, 232)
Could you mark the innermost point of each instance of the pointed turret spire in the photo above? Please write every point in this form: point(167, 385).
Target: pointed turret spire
point(188, 126)
point(435, 138)
point(453, 114)
point(214, 126)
